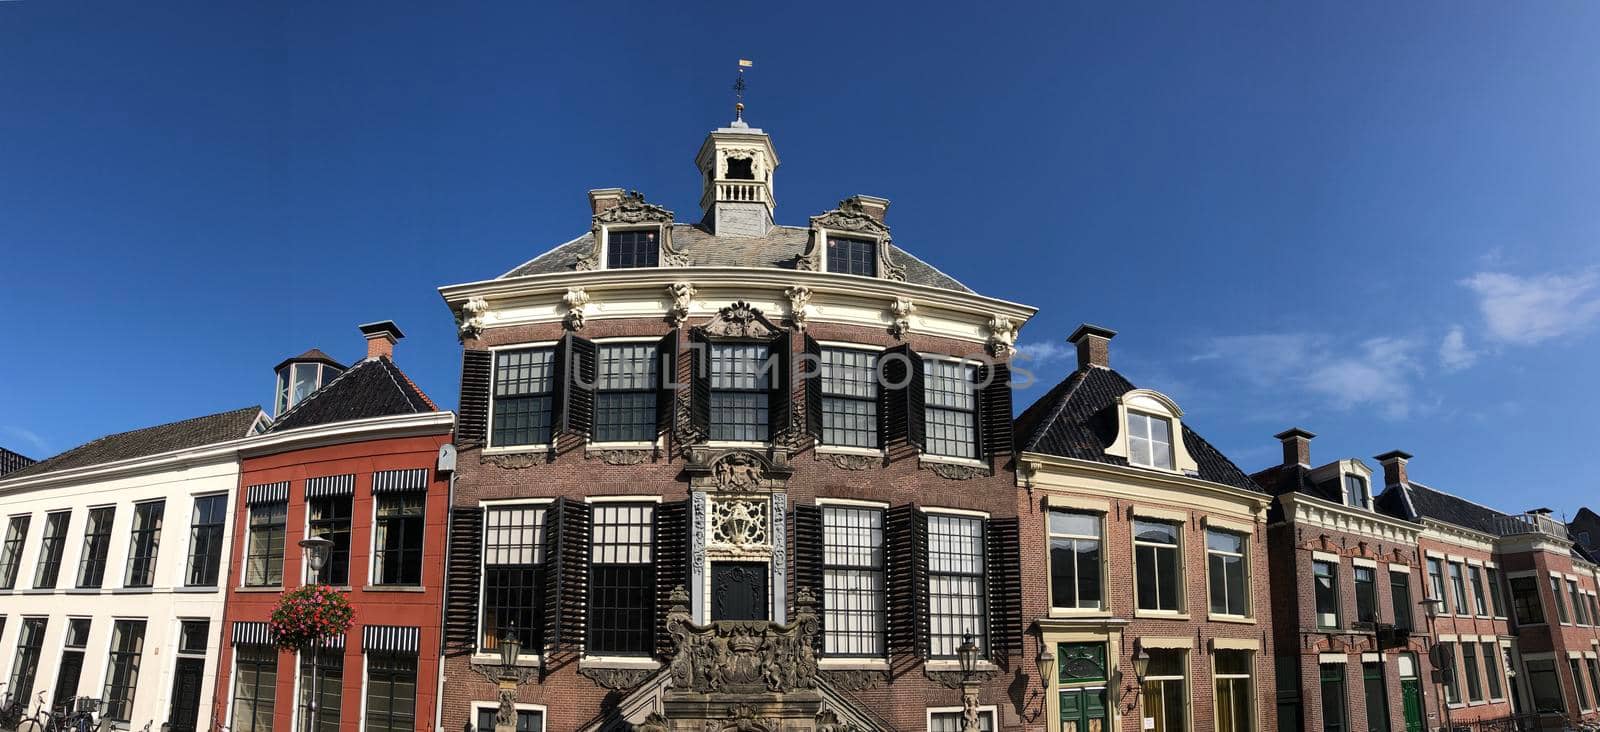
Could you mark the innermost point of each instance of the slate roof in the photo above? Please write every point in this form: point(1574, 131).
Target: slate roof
point(778, 249)
point(149, 441)
point(1440, 506)
point(1078, 419)
point(10, 461)
point(371, 388)
point(314, 355)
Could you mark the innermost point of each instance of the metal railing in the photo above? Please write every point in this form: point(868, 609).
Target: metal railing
point(1523, 723)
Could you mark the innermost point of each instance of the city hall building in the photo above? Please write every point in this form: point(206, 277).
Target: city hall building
point(733, 474)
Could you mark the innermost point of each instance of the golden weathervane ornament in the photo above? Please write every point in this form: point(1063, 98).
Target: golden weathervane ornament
point(738, 90)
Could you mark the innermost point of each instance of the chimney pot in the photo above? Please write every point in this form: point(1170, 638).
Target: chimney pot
point(603, 199)
point(1296, 446)
point(1093, 344)
point(1394, 467)
point(381, 337)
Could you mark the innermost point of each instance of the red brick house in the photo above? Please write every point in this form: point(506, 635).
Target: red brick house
point(1149, 545)
point(355, 459)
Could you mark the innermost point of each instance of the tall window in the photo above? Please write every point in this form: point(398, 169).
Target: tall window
point(1235, 701)
point(741, 380)
point(1366, 594)
point(391, 692)
point(205, 540)
point(1325, 578)
point(1525, 604)
point(1492, 670)
point(1075, 557)
point(955, 583)
point(1458, 589)
point(1333, 699)
point(528, 720)
point(55, 540)
point(30, 645)
point(1561, 605)
point(1149, 441)
point(1377, 697)
point(70, 670)
point(852, 256)
point(11, 551)
point(1576, 668)
point(1594, 675)
point(849, 398)
point(144, 543)
point(329, 517)
point(951, 413)
point(1229, 578)
point(1469, 670)
point(1452, 682)
point(513, 574)
point(263, 564)
point(1355, 491)
point(1164, 699)
point(622, 580)
point(1400, 598)
point(523, 384)
point(1480, 599)
point(1545, 684)
point(1578, 610)
point(1495, 597)
point(96, 544)
point(1156, 566)
point(852, 581)
point(625, 393)
point(629, 249)
point(327, 684)
point(122, 669)
point(255, 686)
point(1436, 580)
point(397, 550)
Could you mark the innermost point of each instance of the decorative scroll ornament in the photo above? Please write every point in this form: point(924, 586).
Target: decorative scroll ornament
point(743, 656)
point(631, 210)
point(623, 457)
point(740, 523)
point(514, 460)
point(1002, 337)
point(682, 294)
point(850, 217)
point(621, 679)
point(741, 320)
point(738, 470)
point(854, 462)
point(950, 471)
point(900, 312)
point(577, 302)
point(856, 679)
point(469, 323)
point(799, 300)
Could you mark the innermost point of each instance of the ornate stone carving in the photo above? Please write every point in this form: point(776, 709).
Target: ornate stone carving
point(743, 656)
point(856, 679)
point(743, 718)
point(739, 522)
point(623, 457)
point(656, 722)
point(514, 460)
point(632, 209)
point(755, 155)
point(799, 301)
point(1002, 337)
point(682, 294)
point(496, 673)
point(577, 301)
point(828, 720)
point(854, 462)
point(737, 471)
point(469, 322)
point(850, 217)
point(741, 320)
point(505, 716)
point(900, 314)
point(952, 679)
point(616, 678)
point(949, 471)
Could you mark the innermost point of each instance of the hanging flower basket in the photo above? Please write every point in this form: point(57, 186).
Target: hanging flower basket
point(307, 614)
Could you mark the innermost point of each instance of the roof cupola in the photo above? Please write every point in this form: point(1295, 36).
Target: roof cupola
point(736, 165)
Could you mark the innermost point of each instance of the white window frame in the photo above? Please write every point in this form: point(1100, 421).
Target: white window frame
point(494, 361)
point(1244, 560)
point(977, 395)
point(1149, 403)
point(605, 243)
point(524, 658)
point(992, 710)
point(1101, 606)
point(1183, 585)
point(883, 575)
point(1366, 489)
point(984, 637)
point(479, 706)
point(661, 379)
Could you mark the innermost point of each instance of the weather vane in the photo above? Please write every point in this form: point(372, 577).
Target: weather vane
point(738, 90)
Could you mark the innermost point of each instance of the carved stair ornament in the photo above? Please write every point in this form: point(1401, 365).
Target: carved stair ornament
point(1002, 337)
point(469, 322)
point(630, 211)
point(900, 312)
point(799, 301)
point(577, 302)
point(851, 218)
point(682, 294)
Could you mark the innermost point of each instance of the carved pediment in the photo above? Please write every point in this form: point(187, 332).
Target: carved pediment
point(741, 320)
point(736, 471)
point(633, 210)
point(850, 218)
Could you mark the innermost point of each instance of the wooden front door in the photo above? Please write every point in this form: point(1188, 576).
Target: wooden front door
point(739, 591)
point(1083, 710)
point(1411, 691)
point(186, 682)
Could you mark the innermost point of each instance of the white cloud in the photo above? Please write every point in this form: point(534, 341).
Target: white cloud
point(1454, 355)
point(1373, 374)
point(1525, 310)
point(1045, 352)
point(40, 448)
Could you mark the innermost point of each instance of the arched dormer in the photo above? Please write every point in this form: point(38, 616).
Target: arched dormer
point(1150, 433)
point(1351, 480)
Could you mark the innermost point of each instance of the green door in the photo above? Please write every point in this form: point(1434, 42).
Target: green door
point(1083, 710)
point(1411, 691)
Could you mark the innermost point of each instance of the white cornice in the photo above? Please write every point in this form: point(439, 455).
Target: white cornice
point(233, 450)
point(1459, 535)
point(1302, 508)
point(1034, 461)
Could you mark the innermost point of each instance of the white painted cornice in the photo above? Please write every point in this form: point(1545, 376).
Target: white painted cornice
point(1033, 463)
point(1459, 535)
point(338, 433)
point(1301, 508)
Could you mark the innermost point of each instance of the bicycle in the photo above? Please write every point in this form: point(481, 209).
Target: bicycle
point(11, 710)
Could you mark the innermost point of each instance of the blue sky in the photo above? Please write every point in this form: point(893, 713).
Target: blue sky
point(1376, 221)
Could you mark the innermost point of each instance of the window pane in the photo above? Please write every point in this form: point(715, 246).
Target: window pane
point(122, 669)
point(264, 560)
point(523, 382)
point(740, 380)
point(391, 693)
point(625, 398)
point(850, 398)
point(329, 686)
point(628, 249)
point(96, 544)
point(950, 415)
point(622, 580)
point(205, 540)
point(852, 256)
point(852, 581)
point(11, 551)
point(513, 557)
point(30, 646)
point(329, 518)
point(55, 539)
point(254, 688)
point(955, 583)
point(397, 548)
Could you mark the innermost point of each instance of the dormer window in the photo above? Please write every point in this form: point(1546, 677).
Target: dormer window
point(1149, 441)
point(301, 376)
point(853, 256)
point(1355, 492)
point(631, 249)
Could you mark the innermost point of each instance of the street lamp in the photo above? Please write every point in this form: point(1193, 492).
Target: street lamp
point(1432, 608)
point(1046, 662)
point(1141, 664)
point(316, 550)
point(967, 655)
point(510, 647)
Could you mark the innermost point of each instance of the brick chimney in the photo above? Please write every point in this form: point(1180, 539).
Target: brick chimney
point(1296, 446)
point(1093, 344)
point(1394, 467)
point(381, 337)
point(872, 206)
point(601, 199)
